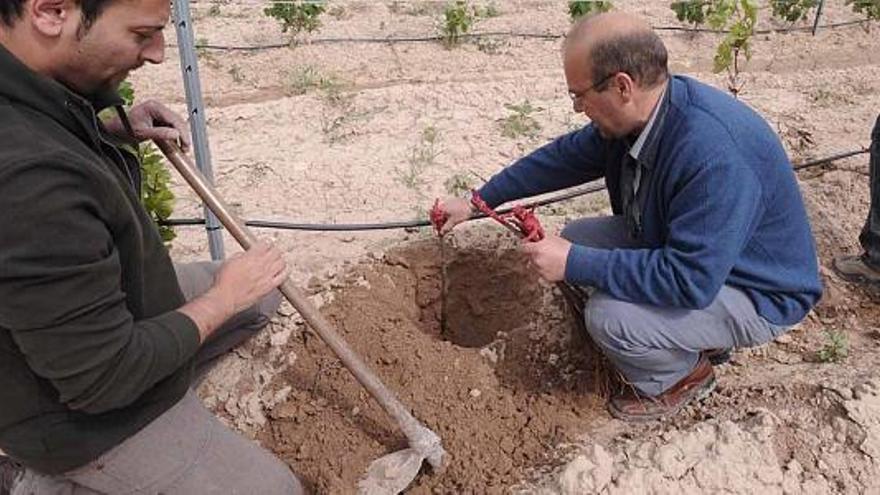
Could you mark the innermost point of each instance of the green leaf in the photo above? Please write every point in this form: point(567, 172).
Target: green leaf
point(580, 8)
point(792, 10)
point(156, 195)
point(126, 92)
point(457, 21)
point(869, 8)
point(296, 17)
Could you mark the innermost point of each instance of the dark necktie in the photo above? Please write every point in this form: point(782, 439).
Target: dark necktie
point(630, 181)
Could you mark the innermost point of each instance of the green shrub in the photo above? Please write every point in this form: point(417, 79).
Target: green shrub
point(792, 10)
point(520, 122)
point(296, 17)
point(693, 12)
point(156, 195)
point(580, 8)
point(457, 21)
point(870, 8)
point(836, 347)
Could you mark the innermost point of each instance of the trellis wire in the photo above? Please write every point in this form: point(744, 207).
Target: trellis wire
point(494, 34)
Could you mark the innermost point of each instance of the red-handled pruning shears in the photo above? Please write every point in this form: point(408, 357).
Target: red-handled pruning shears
point(521, 221)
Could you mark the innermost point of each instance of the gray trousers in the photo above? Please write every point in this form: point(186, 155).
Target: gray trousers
point(186, 450)
point(655, 347)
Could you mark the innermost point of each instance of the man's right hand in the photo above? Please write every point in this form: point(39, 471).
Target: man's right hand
point(242, 281)
point(457, 210)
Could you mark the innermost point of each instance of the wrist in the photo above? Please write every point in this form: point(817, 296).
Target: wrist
point(208, 311)
point(469, 198)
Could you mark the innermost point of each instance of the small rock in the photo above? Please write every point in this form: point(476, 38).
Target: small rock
point(784, 339)
point(840, 426)
point(490, 354)
point(475, 392)
point(286, 310)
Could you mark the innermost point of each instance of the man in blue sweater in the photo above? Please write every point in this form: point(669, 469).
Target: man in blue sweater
point(709, 247)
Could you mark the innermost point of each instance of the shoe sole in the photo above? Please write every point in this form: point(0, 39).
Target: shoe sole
point(859, 279)
point(702, 393)
point(855, 278)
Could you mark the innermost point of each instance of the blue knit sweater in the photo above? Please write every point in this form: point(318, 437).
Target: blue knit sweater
point(721, 206)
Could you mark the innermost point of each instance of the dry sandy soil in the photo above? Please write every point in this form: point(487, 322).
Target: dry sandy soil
point(368, 132)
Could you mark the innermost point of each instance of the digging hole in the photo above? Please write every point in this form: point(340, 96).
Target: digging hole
point(487, 292)
point(501, 388)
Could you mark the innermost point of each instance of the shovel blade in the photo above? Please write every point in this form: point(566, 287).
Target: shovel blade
point(391, 474)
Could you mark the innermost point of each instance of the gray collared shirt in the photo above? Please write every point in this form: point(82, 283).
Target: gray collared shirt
point(636, 149)
point(638, 158)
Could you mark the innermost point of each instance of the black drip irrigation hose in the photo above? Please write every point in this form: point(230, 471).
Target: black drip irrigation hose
point(829, 159)
point(496, 34)
point(411, 224)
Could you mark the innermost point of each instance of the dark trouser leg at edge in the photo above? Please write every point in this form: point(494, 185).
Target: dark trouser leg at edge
point(865, 268)
point(870, 236)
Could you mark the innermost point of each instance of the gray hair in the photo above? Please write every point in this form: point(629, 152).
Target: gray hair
point(641, 54)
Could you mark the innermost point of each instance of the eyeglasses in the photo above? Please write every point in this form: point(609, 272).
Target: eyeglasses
point(575, 96)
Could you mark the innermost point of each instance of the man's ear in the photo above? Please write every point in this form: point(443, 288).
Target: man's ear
point(623, 85)
point(49, 16)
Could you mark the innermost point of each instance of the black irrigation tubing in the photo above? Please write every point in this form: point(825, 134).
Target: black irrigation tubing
point(829, 159)
point(509, 34)
point(354, 227)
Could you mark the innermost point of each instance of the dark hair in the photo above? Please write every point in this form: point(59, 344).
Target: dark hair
point(640, 54)
point(11, 10)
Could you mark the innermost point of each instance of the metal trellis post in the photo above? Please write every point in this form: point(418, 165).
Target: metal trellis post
point(189, 67)
point(818, 16)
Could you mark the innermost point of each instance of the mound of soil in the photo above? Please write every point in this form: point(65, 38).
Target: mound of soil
point(502, 383)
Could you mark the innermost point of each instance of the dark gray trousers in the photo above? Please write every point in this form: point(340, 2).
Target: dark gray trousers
point(870, 236)
point(186, 450)
point(655, 347)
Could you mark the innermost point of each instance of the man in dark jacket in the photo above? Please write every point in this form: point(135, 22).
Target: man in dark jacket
point(99, 341)
point(709, 247)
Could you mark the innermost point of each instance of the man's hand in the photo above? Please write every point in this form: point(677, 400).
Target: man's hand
point(548, 256)
point(457, 210)
point(153, 120)
point(242, 280)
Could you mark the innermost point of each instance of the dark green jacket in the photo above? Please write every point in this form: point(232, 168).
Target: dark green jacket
point(91, 347)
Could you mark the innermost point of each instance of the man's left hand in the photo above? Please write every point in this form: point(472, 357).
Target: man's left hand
point(548, 256)
point(153, 120)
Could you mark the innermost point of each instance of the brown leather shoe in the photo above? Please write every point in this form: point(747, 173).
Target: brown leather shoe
point(856, 269)
point(630, 405)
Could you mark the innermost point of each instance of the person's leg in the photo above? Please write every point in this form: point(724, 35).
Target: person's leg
point(657, 348)
point(195, 279)
point(184, 451)
point(870, 236)
point(865, 268)
point(34, 483)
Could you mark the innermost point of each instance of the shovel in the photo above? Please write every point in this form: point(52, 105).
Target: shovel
point(389, 474)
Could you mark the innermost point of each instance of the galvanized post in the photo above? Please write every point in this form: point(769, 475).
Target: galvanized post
point(818, 16)
point(189, 66)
